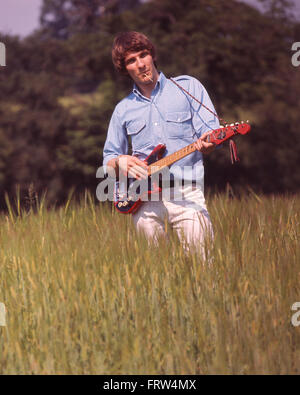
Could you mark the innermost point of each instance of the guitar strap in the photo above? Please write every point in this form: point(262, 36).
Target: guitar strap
point(232, 145)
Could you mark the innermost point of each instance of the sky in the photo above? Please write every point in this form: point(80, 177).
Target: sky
point(21, 17)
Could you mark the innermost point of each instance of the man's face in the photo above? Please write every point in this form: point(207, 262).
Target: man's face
point(140, 67)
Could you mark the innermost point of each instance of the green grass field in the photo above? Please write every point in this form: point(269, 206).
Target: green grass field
point(85, 295)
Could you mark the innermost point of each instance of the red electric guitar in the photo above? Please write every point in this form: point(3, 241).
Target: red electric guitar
point(126, 203)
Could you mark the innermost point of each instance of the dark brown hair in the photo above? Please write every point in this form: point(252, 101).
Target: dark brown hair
point(127, 42)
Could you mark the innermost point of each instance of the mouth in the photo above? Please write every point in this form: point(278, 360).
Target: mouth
point(147, 74)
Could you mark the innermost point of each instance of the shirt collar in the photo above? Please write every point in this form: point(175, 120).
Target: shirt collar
point(158, 86)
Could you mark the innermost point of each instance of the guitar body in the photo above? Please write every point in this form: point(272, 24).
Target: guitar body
point(126, 202)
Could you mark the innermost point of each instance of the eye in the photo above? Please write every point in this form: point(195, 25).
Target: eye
point(130, 61)
point(144, 54)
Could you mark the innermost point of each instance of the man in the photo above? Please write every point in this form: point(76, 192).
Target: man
point(159, 111)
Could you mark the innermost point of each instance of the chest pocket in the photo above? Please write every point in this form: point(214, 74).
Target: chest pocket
point(137, 131)
point(179, 125)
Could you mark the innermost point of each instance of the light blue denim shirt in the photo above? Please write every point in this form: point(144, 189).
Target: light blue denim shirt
point(170, 117)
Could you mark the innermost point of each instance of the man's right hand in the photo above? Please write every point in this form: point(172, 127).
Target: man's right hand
point(131, 166)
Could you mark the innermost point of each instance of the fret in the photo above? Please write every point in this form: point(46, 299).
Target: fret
point(170, 159)
point(217, 136)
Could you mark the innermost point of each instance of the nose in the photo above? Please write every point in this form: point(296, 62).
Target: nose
point(140, 63)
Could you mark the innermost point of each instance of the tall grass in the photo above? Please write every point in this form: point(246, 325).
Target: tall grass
point(86, 295)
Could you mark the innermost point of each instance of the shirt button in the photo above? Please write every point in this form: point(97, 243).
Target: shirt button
point(155, 123)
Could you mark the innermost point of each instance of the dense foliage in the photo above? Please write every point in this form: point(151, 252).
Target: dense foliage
point(59, 88)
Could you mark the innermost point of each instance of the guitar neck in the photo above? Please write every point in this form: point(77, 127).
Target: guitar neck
point(170, 159)
point(217, 136)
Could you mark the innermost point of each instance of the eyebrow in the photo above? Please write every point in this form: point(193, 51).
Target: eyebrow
point(138, 54)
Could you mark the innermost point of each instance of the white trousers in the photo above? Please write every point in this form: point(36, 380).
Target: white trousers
point(188, 217)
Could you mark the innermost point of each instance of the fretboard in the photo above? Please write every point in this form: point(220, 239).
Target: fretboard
point(170, 159)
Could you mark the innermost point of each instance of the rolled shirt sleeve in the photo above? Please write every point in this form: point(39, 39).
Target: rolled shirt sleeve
point(116, 142)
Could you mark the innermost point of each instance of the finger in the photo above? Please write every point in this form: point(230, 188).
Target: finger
point(208, 145)
point(131, 174)
point(138, 172)
point(198, 145)
point(124, 163)
point(141, 172)
point(204, 136)
point(140, 162)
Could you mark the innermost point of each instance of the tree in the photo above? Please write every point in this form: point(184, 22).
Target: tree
point(63, 18)
point(57, 95)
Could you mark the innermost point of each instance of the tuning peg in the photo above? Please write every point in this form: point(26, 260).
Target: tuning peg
point(247, 121)
point(232, 124)
point(242, 122)
point(222, 126)
point(237, 123)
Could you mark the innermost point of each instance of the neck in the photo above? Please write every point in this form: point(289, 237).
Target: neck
point(147, 89)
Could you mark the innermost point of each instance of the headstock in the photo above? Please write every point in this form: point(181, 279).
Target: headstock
point(218, 136)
